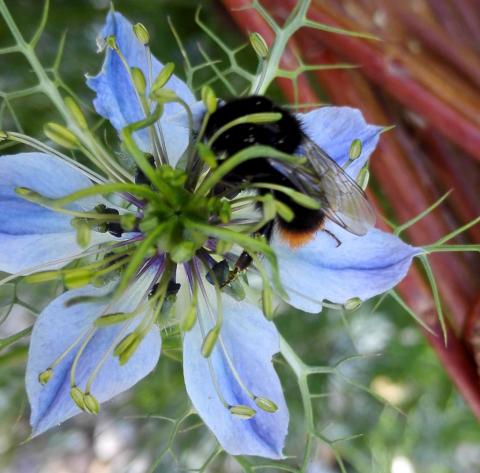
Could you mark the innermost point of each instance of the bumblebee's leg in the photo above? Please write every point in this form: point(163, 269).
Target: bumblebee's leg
point(333, 236)
point(244, 260)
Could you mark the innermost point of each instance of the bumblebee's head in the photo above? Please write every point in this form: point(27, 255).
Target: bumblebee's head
point(284, 134)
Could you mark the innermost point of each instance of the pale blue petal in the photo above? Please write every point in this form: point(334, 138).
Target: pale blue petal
point(56, 328)
point(116, 98)
point(362, 266)
point(334, 129)
point(31, 235)
point(251, 342)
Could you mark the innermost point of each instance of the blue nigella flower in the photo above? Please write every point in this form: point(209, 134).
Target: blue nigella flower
point(96, 340)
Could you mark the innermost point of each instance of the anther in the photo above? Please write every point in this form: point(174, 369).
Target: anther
point(77, 396)
point(352, 303)
point(91, 404)
point(242, 412)
point(355, 149)
point(265, 404)
point(45, 376)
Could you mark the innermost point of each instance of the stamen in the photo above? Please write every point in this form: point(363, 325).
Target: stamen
point(38, 145)
point(262, 401)
point(45, 376)
point(145, 106)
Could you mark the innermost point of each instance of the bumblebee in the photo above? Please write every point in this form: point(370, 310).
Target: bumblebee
point(341, 200)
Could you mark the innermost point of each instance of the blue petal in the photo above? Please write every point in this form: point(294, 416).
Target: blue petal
point(334, 129)
point(360, 267)
point(116, 98)
point(251, 341)
point(57, 328)
point(31, 235)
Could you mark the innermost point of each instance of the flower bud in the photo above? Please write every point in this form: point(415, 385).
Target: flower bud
point(163, 76)
point(141, 33)
point(61, 135)
point(355, 149)
point(259, 44)
point(77, 396)
point(91, 404)
point(209, 99)
point(266, 404)
point(209, 342)
point(45, 376)
point(76, 112)
point(242, 412)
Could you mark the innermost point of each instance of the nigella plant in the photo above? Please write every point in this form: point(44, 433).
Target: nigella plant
point(172, 235)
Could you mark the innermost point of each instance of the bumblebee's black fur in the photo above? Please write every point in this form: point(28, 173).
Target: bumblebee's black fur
point(285, 135)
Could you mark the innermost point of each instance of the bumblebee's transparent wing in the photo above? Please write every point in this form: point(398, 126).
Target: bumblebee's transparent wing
point(342, 200)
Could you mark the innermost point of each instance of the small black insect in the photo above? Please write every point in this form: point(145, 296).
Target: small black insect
point(341, 199)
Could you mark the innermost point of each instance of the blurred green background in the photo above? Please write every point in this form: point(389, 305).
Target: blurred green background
point(420, 426)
